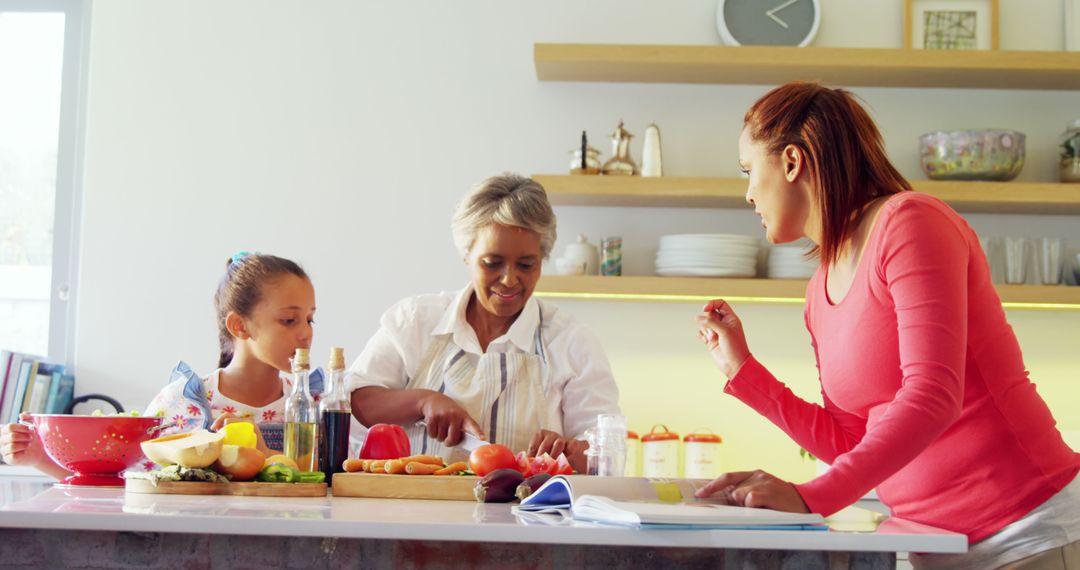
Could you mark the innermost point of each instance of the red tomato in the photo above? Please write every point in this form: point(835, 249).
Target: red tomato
point(488, 458)
point(541, 464)
point(562, 466)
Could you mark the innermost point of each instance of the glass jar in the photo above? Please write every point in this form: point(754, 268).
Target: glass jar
point(1070, 153)
point(606, 454)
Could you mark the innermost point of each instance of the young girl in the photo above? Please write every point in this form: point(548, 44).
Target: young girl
point(265, 308)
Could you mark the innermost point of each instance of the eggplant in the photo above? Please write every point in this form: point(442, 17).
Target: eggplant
point(531, 484)
point(498, 486)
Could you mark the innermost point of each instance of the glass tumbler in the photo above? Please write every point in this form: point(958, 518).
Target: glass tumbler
point(1015, 259)
point(1050, 261)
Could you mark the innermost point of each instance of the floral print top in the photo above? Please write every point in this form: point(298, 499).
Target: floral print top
point(189, 402)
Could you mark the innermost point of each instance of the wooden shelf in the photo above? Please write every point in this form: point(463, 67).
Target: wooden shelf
point(769, 65)
point(690, 192)
point(649, 288)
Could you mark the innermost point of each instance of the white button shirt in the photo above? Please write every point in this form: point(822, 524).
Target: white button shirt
point(582, 383)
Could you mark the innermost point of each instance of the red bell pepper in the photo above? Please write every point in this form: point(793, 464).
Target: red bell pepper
point(385, 441)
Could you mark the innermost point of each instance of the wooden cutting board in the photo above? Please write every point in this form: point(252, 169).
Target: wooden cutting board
point(448, 487)
point(242, 489)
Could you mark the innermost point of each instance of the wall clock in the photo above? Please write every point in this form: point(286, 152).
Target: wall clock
point(768, 22)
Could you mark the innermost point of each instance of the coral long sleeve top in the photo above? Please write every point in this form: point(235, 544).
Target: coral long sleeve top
point(925, 393)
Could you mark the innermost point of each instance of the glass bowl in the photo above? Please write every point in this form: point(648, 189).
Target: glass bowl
point(976, 154)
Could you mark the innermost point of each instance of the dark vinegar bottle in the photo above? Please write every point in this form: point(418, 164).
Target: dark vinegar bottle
point(335, 415)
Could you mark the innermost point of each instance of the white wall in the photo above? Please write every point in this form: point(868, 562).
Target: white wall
point(341, 134)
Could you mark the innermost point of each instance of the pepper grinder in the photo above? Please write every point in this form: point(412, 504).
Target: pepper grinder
point(620, 163)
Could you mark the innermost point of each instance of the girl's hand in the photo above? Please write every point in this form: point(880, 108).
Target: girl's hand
point(260, 443)
point(755, 489)
point(446, 419)
point(721, 331)
point(19, 446)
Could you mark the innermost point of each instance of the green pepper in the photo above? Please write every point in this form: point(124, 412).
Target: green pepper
point(312, 477)
point(278, 473)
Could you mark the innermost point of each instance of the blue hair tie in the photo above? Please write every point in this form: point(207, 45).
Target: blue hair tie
point(240, 255)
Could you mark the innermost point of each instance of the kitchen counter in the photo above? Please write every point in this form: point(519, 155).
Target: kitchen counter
point(27, 503)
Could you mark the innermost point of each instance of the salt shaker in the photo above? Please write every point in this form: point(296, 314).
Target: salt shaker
point(607, 446)
point(651, 158)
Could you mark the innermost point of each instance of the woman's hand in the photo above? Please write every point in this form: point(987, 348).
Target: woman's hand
point(553, 443)
point(721, 331)
point(755, 489)
point(446, 419)
point(260, 443)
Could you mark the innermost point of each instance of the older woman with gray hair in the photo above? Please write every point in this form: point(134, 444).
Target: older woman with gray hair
point(489, 359)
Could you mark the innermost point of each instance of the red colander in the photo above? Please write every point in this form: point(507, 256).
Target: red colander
point(96, 449)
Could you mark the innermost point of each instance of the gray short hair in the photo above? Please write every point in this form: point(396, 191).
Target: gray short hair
point(509, 200)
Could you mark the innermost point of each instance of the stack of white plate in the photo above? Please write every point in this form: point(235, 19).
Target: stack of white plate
point(707, 255)
point(789, 262)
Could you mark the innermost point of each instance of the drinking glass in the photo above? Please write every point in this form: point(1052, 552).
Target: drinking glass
point(1015, 259)
point(1050, 262)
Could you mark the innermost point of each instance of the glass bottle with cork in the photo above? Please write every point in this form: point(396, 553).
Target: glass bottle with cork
point(335, 414)
point(301, 422)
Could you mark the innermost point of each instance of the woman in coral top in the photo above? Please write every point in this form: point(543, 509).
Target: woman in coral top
point(925, 393)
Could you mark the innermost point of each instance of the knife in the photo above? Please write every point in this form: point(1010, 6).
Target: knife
point(469, 442)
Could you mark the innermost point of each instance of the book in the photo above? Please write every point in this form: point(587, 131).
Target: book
point(43, 382)
point(38, 392)
point(60, 393)
point(23, 388)
point(10, 385)
point(5, 364)
point(654, 504)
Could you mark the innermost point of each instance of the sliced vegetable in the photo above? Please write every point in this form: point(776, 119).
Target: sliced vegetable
point(312, 477)
point(278, 473)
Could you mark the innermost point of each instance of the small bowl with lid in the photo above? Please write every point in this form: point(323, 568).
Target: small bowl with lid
point(973, 154)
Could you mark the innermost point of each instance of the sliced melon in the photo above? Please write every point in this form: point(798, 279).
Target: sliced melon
point(198, 449)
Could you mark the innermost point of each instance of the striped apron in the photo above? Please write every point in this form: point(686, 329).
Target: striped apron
point(506, 393)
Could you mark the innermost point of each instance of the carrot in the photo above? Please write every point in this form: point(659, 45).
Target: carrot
point(452, 468)
point(395, 467)
point(376, 466)
point(418, 468)
point(429, 459)
point(353, 465)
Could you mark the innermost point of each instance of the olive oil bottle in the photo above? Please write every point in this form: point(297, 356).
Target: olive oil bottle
point(335, 415)
point(301, 422)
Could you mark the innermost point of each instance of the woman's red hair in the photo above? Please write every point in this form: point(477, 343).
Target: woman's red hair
point(845, 154)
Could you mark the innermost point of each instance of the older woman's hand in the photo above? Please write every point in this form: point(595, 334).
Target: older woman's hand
point(722, 332)
point(553, 443)
point(446, 419)
point(756, 489)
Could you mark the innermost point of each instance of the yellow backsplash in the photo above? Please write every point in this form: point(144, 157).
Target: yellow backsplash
point(665, 376)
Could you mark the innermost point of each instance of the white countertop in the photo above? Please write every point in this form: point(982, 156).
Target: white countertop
point(34, 503)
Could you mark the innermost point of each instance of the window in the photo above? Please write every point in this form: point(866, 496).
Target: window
point(40, 141)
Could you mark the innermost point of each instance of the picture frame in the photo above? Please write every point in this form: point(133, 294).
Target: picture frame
point(951, 24)
point(1072, 25)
